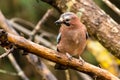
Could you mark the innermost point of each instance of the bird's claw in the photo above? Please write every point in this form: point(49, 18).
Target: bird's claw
point(81, 60)
point(69, 56)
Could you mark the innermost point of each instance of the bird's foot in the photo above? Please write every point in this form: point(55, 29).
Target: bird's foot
point(81, 60)
point(69, 56)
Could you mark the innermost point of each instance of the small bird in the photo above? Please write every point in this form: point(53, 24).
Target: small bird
point(72, 37)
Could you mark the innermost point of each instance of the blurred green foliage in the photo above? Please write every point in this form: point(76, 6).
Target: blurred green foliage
point(27, 9)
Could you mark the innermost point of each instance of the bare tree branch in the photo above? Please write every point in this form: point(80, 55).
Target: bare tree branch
point(6, 72)
point(47, 76)
point(3, 23)
point(6, 53)
point(112, 6)
point(40, 66)
point(38, 26)
point(22, 21)
point(54, 56)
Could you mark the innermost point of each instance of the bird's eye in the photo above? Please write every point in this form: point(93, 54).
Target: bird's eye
point(67, 19)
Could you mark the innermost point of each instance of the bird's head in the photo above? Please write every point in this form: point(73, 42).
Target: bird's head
point(67, 18)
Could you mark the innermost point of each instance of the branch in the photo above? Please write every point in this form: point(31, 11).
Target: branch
point(112, 6)
point(6, 53)
point(40, 67)
point(99, 24)
point(54, 56)
point(7, 72)
point(38, 26)
point(5, 24)
point(27, 32)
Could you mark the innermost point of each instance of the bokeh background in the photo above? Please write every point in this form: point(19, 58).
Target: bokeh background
point(32, 11)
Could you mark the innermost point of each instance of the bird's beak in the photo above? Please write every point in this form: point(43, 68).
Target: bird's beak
point(60, 21)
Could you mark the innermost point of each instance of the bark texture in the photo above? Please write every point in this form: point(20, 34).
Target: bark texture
point(98, 23)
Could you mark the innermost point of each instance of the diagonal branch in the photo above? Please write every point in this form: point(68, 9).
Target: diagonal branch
point(6, 53)
point(54, 56)
point(112, 6)
point(38, 26)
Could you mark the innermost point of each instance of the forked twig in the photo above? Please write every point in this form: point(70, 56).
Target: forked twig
point(38, 26)
point(7, 52)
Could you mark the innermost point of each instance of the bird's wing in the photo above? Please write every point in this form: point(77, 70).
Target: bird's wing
point(87, 35)
point(58, 38)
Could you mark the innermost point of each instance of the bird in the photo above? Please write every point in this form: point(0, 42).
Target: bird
point(72, 37)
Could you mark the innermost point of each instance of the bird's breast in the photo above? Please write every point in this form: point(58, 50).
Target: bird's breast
point(72, 41)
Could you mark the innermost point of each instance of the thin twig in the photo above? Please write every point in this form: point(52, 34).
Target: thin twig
point(38, 26)
point(67, 74)
point(41, 67)
point(19, 20)
point(17, 67)
point(37, 37)
point(7, 52)
point(112, 6)
point(6, 72)
point(22, 21)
